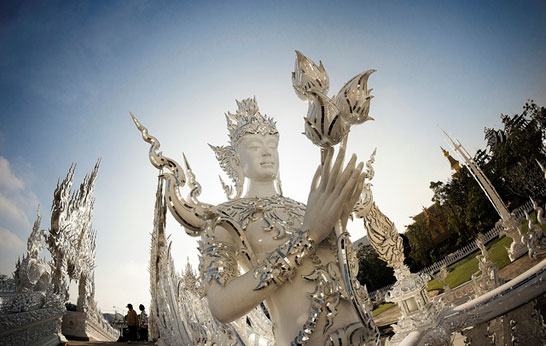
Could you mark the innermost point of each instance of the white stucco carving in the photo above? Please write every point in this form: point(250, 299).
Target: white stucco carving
point(534, 239)
point(39, 290)
point(488, 278)
point(265, 241)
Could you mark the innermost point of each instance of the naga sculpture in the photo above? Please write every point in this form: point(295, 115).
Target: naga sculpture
point(534, 239)
point(31, 311)
point(263, 247)
point(489, 278)
point(71, 238)
point(32, 272)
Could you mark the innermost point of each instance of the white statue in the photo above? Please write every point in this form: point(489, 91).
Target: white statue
point(489, 278)
point(263, 247)
point(33, 312)
point(534, 239)
point(32, 273)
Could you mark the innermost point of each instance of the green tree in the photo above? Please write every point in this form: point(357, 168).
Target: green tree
point(514, 166)
point(420, 242)
point(510, 163)
point(372, 271)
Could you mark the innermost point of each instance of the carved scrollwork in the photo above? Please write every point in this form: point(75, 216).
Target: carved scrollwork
point(534, 239)
point(191, 214)
point(228, 159)
point(384, 237)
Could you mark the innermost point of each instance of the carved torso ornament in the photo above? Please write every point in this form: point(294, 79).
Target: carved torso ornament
point(317, 289)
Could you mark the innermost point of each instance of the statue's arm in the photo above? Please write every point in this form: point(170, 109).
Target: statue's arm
point(230, 295)
point(333, 191)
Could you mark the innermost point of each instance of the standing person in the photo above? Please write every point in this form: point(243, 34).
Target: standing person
point(132, 323)
point(142, 324)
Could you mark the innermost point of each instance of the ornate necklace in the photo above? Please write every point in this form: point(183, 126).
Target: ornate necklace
point(247, 210)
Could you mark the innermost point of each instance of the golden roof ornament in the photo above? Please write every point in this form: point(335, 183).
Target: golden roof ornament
point(454, 163)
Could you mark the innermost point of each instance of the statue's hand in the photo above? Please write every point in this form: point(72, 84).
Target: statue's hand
point(332, 194)
point(349, 205)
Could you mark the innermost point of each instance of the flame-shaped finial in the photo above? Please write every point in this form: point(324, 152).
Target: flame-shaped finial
point(308, 77)
point(353, 100)
point(191, 213)
point(323, 125)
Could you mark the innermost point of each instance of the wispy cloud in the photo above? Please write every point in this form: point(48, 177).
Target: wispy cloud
point(10, 241)
point(9, 212)
point(8, 180)
point(16, 204)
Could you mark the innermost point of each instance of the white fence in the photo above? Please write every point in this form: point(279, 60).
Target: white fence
point(460, 253)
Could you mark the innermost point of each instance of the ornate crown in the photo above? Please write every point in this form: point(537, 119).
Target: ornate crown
point(246, 121)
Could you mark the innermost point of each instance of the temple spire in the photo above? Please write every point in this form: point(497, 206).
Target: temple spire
point(480, 177)
point(453, 163)
point(509, 221)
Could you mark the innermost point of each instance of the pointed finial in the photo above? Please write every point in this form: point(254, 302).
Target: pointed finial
point(137, 123)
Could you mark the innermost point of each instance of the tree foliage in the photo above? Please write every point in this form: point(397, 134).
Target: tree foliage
point(373, 272)
point(510, 162)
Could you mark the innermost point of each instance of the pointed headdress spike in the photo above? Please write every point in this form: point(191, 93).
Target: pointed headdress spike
point(248, 120)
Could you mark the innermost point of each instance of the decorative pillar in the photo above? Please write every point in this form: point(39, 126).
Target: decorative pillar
point(409, 291)
point(512, 226)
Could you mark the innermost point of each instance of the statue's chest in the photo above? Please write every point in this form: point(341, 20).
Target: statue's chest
point(270, 228)
point(267, 222)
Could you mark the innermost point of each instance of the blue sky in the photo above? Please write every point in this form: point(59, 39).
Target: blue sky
point(71, 70)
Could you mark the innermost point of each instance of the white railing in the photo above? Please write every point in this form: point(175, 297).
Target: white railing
point(505, 299)
point(472, 246)
point(460, 253)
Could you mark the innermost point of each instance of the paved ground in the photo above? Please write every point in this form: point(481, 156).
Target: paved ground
point(519, 266)
point(82, 343)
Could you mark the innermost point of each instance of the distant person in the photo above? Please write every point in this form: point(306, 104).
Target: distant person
point(142, 324)
point(132, 323)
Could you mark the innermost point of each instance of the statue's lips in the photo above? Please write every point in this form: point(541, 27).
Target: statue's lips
point(267, 164)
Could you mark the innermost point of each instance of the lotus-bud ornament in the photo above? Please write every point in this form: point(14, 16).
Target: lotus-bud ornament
point(308, 77)
point(353, 100)
point(323, 125)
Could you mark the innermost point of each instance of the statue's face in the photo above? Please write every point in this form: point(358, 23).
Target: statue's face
point(259, 157)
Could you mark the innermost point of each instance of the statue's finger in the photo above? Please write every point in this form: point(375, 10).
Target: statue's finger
point(316, 177)
point(358, 190)
point(344, 176)
point(336, 170)
point(351, 183)
point(326, 169)
point(338, 165)
point(348, 207)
